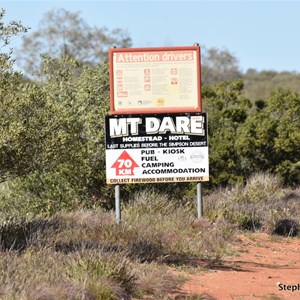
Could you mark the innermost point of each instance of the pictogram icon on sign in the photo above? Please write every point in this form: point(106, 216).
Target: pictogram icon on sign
point(125, 165)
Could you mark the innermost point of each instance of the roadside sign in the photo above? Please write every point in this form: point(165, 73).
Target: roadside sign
point(155, 80)
point(156, 148)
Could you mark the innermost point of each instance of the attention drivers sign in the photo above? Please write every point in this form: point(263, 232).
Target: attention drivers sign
point(155, 80)
point(156, 148)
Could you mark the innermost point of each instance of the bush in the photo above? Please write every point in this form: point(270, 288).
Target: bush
point(268, 140)
point(260, 205)
point(259, 187)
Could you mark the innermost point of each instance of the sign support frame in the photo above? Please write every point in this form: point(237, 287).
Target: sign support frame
point(199, 190)
point(157, 110)
point(199, 201)
point(117, 203)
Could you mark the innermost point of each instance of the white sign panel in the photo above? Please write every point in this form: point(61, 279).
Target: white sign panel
point(156, 148)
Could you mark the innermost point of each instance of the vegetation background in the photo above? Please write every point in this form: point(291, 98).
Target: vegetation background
point(55, 207)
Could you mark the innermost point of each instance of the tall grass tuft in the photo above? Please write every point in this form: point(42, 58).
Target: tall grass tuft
point(262, 204)
point(259, 187)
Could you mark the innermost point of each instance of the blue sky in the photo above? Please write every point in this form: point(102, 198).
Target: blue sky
point(263, 35)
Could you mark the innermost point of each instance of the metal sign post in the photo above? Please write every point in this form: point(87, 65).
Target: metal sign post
point(199, 201)
point(117, 204)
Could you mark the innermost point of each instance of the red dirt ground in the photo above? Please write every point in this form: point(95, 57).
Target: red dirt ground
point(261, 268)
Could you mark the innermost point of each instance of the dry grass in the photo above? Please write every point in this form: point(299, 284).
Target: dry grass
point(261, 205)
point(85, 255)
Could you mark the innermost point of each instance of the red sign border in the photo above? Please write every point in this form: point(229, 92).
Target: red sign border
point(113, 111)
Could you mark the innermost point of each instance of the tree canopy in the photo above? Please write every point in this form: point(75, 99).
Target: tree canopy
point(52, 153)
point(65, 33)
point(218, 65)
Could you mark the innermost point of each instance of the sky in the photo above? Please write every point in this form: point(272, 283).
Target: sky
point(262, 35)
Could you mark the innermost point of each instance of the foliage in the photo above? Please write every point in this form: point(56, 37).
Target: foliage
point(217, 66)
point(261, 205)
point(9, 83)
point(9, 79)
point(227, 109)
point(52, 132)
point(53, 137)
point(243, 141)
point(65, 33)
point(259, 85)
point(7, 32)
point(52, 143)
point(268, 141)
point(259, 187)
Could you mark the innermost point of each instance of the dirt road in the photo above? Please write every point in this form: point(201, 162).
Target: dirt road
point(264, 267)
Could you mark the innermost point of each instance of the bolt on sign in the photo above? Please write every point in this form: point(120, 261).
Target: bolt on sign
point(155, 80)
point(158, 148)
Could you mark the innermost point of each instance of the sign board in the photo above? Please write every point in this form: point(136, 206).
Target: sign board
point(156, 148)
point(155, 80)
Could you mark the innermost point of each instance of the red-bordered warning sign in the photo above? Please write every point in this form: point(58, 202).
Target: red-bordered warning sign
point(155, 80)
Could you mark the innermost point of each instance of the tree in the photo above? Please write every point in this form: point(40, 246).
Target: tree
point(227, 109)
point(259, 85)
point(64, 32)
point(217, 66)
point(269, 139)
point(7, 32)
point(9, 88)
point(36, 130)
point(52, 142)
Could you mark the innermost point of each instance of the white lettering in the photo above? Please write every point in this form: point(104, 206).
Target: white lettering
point(178, 125)
point(197, 125)
point(119, 127)
point(167, 124)
point(152, 125)
point(182, 124)
point(134, 125)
